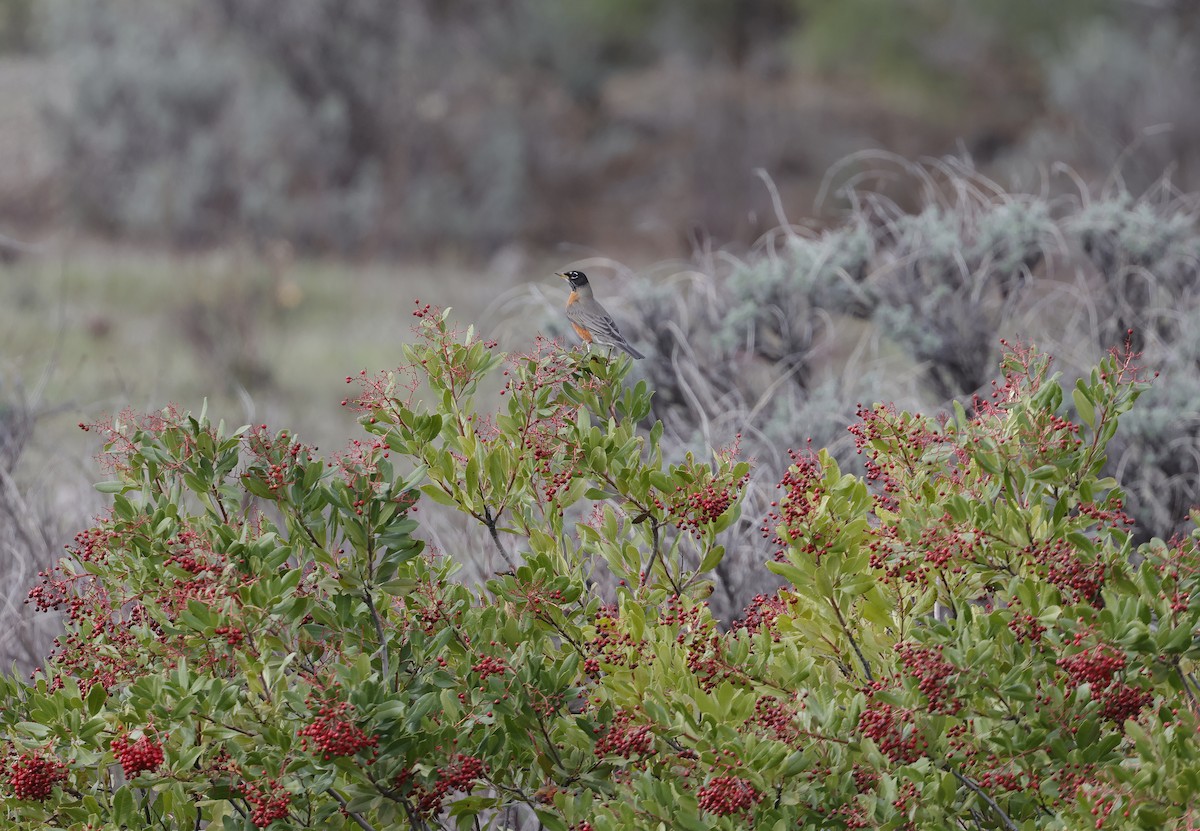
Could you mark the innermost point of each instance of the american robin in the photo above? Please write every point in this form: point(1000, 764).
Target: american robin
point(589, 319)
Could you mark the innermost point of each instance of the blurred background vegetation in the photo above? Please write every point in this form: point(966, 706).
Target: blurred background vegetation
point(795, 205)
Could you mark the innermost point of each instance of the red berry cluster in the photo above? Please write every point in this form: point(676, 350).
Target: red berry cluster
point(706, 658)
point(1099, 667)
point(430, 610)
point(1123, 701)
point(92, 545)
point(539, 598)
point(788, 521)
point(278, 456)
point(944, 545)
point(557, 462)
point(121, 439)
point(865, 778)
point(610, 645)
point(268, 801)
point(107, 640)
point(727, 795)
point(681, 615)
point(136, 756)
point(853, 816)
point(1049, 434)
point(187, 561)
point(692, 509)
point(896, 446)
point(934, 675)
point(1096, 666)
point(1070, 780)
point(705, 646)
point(906, 794)
point(893, 731)
point(759, 615)
point(32, 776)
point(331, 734)
point(556, 481)
point(359, 467)
point(1025, 627)
point(488, 666)
point(65, 591)
point(1177, 566)
point(1000, 780)
point(188, 552)
point(381, 392)
point(777, 717)
point(1060, 564)
point(1112, 513)
point(460, 775)
point(233, 635)
point(622, 738)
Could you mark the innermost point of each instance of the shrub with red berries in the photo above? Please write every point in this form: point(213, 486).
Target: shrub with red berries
point(964, 634)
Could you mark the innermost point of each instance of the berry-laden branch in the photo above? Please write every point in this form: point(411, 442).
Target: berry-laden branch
point(991, 803)
point(357, 818)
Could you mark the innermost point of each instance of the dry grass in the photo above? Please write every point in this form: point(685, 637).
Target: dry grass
point(261, 338)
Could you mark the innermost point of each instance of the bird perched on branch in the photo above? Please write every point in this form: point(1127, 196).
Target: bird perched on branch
point(589, 319)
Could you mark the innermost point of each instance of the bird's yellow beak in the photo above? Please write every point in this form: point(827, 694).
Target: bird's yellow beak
point(560, 274)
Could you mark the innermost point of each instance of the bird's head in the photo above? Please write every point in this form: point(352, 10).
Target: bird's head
point(577, 279)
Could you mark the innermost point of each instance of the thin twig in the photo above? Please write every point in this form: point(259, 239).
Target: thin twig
point(1186, 687)
point(383, 646)
point(653, 548)
point(1008, 823)
point(490, 522)
point(359, 821)
point(853, 643)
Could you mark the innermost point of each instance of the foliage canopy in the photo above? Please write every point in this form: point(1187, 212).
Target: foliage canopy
point(966, 637)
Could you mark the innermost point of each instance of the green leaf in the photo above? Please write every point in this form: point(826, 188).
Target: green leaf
point(796, 764)
point(438, 495)
point(195, 483)
point(257, 487)
point(399, 587)
point(34, 729)
point(96, 697)
point(122, 807)
point(471, 476)
point(1084, 404)
point(712, 559)
point(423, 707)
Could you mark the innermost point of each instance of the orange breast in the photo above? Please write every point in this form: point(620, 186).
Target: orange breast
point(584, 334)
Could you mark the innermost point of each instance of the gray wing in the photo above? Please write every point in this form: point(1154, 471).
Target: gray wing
point(599, 323)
